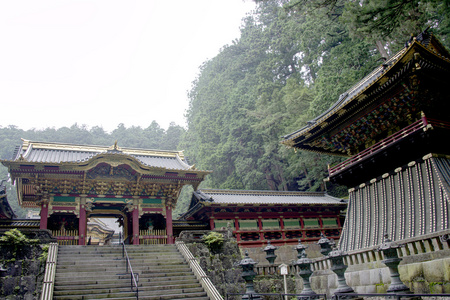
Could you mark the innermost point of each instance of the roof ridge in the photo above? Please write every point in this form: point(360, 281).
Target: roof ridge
point(96, 148)
point(247, 192)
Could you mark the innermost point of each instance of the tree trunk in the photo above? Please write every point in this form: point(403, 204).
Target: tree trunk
point(381, 49)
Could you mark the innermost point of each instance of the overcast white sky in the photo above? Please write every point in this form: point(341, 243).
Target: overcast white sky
point(102, 63)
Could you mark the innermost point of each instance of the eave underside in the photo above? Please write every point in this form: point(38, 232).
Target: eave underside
point(396, 100)
point(381, 158)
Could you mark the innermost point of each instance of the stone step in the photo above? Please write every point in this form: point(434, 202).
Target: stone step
point(186, 278)
point(92, 272)
point(185, 293)
point(142, 270)
point(110, 249)
point(124, 282)
point(183, 271)
point(137, 261)
point(121, 264)
point(119, 251)
point(100, 289)
point(192, 296)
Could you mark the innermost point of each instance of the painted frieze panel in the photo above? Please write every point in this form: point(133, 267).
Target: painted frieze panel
point(294, 234)
point(224, 223)
point(292, 223)
point(270, 224)
point(272, 235)
point(249, 236)
point(248, 225)
point(312, 233)
point(397, 111)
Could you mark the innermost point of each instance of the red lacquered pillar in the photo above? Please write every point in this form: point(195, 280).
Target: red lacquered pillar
point(136, 226)
point(169, 225)
point(82, 225)
point(44, 215)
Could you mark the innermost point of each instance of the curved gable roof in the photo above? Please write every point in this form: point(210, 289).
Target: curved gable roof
point(59, 153)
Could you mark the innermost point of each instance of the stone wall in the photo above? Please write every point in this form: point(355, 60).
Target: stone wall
point(23, 275)
point(220, 267)
point(425, 268)
point(23, 270)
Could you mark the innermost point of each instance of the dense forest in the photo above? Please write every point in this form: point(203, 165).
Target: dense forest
point(291, 62)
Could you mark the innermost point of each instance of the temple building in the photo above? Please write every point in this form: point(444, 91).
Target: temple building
point(98, 232)
point(71, 183)
point(394, 125)
point(257, 217)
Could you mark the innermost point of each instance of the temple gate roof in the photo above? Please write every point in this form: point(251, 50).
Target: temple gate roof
point(44, 152)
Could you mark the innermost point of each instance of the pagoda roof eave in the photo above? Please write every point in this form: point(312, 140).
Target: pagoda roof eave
point(341, 109)
point(83, 166)
point(79, 158)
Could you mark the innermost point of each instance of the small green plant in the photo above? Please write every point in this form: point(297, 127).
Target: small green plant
point(214, 241)
point(44, 254)
point(16, 240)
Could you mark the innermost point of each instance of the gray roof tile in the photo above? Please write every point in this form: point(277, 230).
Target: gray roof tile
point(266, 197)
point(42, 152)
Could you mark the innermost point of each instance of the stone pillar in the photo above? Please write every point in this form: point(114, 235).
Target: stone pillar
point(135, 217)
point(82, 223)
point(44, 214)
point(169, 225)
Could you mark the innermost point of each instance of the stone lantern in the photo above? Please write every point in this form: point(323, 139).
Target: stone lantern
point(249, 274)
point(270, 252)
point(300, 248)
point(337, 266)
point(391, 260)
point(304, 265)
point(325, 244)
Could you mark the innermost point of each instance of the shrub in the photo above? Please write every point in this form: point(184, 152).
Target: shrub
point(16, 240)
point(214, 241)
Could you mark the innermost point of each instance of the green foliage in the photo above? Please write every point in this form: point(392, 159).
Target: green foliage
point(16, 240)
point(290, 64)
point(183, 200)
point(214, 241)
point(44, 255)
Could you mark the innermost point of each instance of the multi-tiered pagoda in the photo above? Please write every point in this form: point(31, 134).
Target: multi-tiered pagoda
point(394, 125)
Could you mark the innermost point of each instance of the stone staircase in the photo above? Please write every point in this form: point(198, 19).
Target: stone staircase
point(99, 272)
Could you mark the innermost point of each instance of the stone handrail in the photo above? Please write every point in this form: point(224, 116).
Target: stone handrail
point(413, 246)
point(204, 280)
point(50, 270)
point(274, 269)
point(424, 244)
